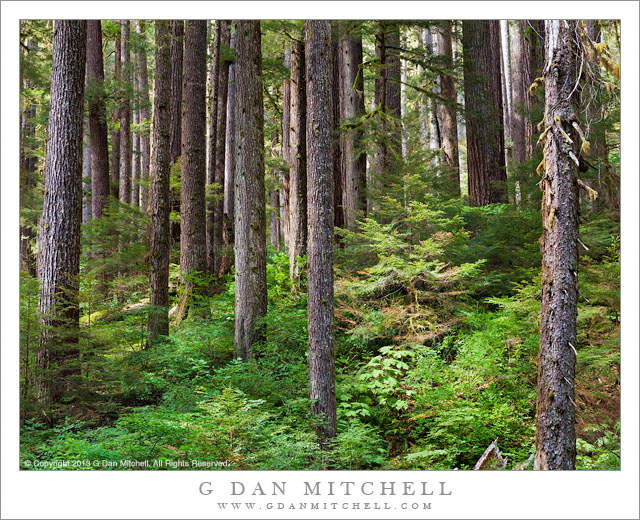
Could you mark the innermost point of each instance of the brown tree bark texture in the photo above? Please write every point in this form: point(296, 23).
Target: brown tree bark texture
point(214, 79)
point(298, 166)
point(145, 144)
point(177, 51)
point(519, 91)
point(193, 240)
point(220, 155)
point(355, 160)
point(115, 135)
point(533, 31)
point(250, 218)
point(286, 186)
point(230, 151)
point(125, 115)
point(483, 108)
point(449, 127)
point(160, 202)
point(338, 102)
point(97, 120)
point(59, 237)
point(320, 142)
point(555, 409)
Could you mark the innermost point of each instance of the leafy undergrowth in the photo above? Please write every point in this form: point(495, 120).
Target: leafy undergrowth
point(437, 317)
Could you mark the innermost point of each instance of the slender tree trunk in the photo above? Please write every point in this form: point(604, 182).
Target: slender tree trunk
point(274, 222)
point(298, 156)
point(97, 120)
point(27, 179)
point(177, 50)
point(392, 98)
point(449, 126)
point(230, 154)
point(338, 102)
point(115, 135)
point(193, 239)
point(505, 45)
point(519, 91)
point(221, 127)
point(125, 115)
point(319, 76)
point(160, 177)
point(86, 175)
point(355, 159)
point(555, 411)
point(483, 110)
point(403, 104)
point(136, 154)
point(59, 237)
point(425, 135)
point(434, 132)
point(286, 127)
point(250, 219)
point(145, 146)
point(214, 81)
point(533, 31)
point(380, 91)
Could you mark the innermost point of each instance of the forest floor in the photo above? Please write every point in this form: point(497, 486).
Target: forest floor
point(436, 346)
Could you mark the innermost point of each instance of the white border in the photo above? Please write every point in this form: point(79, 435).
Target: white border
point(175, 494)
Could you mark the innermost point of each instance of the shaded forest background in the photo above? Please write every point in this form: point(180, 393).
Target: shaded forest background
point(436, 171)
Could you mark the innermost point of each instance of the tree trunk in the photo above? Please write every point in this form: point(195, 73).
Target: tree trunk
point(145, 147)
point(505, 47)
point(380, 91)
point(136, 154)
point(86, 175)
point(555, 410)
point(298, 156)
point(355, 192)
point(274, 222)
point(319, 76)
point(434, 132)
point(425, 135)
point(392, 99)
point(483, 110)
point(125, 115)
point(27, 179)
point(214, 80)
point(115, 135)
point(449, 128)
point(97, 120)
point(59, 238)
point(519, 91)
point(403, 98)
point(177, 48)
point(221, 127)
point(193, 239)
point(160, 177)
point(286, 126)
point(177, 51)
point(338, 102)
point(250, 219)
point(230, 154)
point(533, 31)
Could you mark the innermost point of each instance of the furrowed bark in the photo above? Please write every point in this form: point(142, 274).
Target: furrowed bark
point(160, 201)
point(250, 218)
point(320, 142)
point(555, 409)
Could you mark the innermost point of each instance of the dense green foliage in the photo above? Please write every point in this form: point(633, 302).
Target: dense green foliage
point(434, 359)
